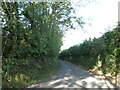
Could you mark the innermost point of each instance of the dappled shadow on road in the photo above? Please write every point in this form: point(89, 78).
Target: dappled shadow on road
point(71, 76)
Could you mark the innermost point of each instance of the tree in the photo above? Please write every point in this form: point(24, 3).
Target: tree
point(32, 37)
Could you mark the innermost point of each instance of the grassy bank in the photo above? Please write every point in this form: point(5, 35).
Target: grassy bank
point(22, 76)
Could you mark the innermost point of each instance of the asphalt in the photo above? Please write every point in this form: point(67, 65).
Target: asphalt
point(72, 76)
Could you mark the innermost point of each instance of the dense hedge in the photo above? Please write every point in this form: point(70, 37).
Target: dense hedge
point(104, 50)
point(31, 40)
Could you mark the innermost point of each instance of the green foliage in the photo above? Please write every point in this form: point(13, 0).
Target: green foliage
point(105, 49)
point(31, 39)
point(26, 74)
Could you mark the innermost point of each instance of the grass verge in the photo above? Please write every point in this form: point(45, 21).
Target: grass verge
point(23, 76)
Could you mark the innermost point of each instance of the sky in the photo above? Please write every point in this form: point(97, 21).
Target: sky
point(99, 16)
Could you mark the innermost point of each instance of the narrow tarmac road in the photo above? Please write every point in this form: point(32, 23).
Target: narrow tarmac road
point(72, 76)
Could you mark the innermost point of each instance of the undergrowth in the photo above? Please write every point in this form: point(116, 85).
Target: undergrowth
point(24, 75)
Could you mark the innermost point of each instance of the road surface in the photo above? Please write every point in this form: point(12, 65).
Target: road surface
point(72, 76)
